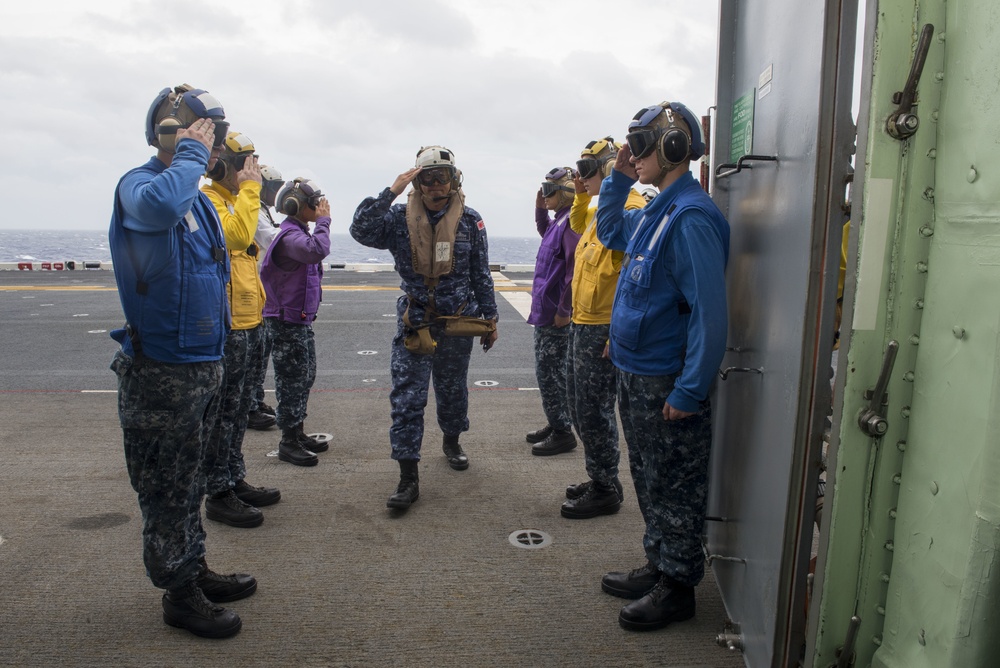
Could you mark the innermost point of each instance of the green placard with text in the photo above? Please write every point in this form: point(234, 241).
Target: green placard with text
point(741, 137)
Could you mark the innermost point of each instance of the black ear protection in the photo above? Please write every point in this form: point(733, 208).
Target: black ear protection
point(674, 146)
point(297, 193)
point(219, 171)
point(290, 199)
point(226, 164)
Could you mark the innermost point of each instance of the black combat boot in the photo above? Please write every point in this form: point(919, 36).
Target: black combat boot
point(634, 584)
point(599, 499)
point(188, 608)
point(557, 442)
point(457, 459)
point(539, 435)
point(576, 491)
point(310, 443)
point(291, 450)
point(408, 490)
point(260, 421)
point(669, 601)
point(229, 509)
point(256, 496)
point(222, 588)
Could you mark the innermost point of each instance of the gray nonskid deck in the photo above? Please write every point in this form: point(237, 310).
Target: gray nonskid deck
point(342, 582)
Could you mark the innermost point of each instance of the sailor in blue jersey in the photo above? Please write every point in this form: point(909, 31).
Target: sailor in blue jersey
point(667, 339)
point(171, 268)
point(441, 253)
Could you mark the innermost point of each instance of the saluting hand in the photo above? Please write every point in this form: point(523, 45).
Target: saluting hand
point(250, 171)
point(323, 208)
point(623, 163)
point(202, 131)
point(539, 200)
point(403, 180)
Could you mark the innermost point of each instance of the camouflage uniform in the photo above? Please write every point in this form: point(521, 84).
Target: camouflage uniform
point(467, 290)
point(551, 360)
point(224, 456)
point(669, 464)
point(590, 378)
point(293, 358)
point(411, 374)
point(260, 373)
point(165, 412)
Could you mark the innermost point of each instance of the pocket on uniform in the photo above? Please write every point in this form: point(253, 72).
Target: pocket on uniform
point(630, 307)
point(201, 323)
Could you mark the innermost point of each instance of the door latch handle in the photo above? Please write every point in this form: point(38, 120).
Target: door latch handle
point(871, 420)
point(903, 123)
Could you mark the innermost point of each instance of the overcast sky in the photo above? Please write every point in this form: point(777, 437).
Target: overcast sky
point(344, 92)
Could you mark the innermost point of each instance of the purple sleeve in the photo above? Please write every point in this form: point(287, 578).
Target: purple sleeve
point(308, 248)
point(570, 239)
point(542, 221)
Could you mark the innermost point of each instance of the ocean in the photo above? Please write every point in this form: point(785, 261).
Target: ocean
point(92, 245)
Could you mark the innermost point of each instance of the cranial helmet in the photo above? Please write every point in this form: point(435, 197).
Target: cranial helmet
point(177, 108)
point(437, 160)
point(271, 182)
point(235, 151)
point(597, 156)
point(559, 183)
point(298, 193)
point(670, 129)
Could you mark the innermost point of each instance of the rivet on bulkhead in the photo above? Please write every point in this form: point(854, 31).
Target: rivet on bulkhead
point(889, 546)
point(915, 340)
point(932, 153)
point(908, 376)
point(901, 446)
point(927, 231)
point(929, 193)
point(905, 411)
point(918, 304)
point(922, 267)
point(972, 174)
point(935, 488)
point(939, 76)
point(959, 332)
point(922, 638)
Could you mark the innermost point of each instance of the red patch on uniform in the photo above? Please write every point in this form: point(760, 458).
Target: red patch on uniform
point(481, 225)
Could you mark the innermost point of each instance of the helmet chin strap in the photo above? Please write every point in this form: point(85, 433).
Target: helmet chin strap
point(664, 170)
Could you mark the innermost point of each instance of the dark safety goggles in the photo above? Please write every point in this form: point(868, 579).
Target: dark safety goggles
point(439, 175)
point(239, 160)
point(642, 142)
point(549, 189)
point(588, 167)
point(221, 131)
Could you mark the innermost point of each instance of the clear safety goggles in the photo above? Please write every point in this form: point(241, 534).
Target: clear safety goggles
point(436, 175)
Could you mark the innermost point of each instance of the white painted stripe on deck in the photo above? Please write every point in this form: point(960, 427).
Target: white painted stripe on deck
point(521, 301)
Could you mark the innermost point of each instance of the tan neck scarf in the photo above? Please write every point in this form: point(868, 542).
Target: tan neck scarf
point(433, 246)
